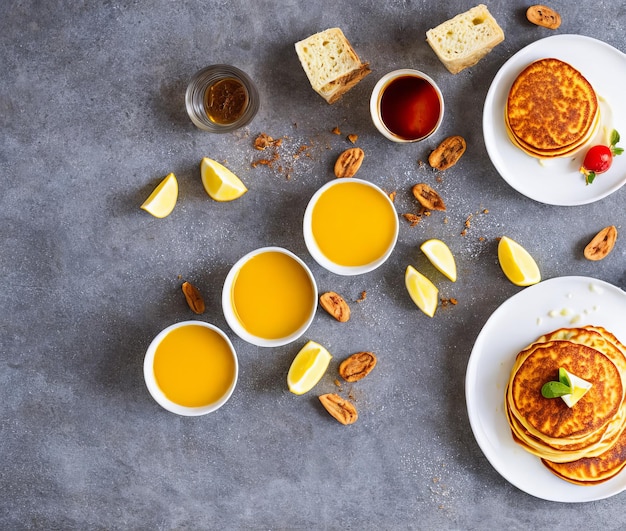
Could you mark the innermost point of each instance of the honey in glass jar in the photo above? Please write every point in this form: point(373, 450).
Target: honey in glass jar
point(221, 98)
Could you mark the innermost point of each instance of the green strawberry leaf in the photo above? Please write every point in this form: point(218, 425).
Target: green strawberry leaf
point(589, 177)
point(614, 137)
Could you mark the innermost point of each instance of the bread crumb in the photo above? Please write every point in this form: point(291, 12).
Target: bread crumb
point(362, 297)
point(263, 141)
point(449, 302)
point(336, 131)
point(353, 138)
point(266, 143)
point(413, 219)
point(302, 149)
point(266, 162)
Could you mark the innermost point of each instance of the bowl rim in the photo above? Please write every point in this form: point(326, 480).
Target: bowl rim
point(314, 249)
point(229, 312)
point(376, 97)
point(156, 392)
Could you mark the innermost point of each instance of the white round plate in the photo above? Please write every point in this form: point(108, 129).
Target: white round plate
point(558, 181)
point(520, 320)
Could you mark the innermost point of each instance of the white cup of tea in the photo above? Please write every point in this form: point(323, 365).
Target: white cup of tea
point(406, 106)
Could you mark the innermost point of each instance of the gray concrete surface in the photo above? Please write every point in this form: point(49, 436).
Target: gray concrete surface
point(92, 116)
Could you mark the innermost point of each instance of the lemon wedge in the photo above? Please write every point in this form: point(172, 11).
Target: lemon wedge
point(162, 200)
point(517, 264)
point(307, 368)
point(423, 292)
point(441, 257)
point(219, 182)
point(578, 386)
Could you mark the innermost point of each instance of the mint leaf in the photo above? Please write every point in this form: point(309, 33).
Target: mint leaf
point(555, 389)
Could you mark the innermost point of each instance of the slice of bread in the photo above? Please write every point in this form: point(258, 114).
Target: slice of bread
point(330, 63)
point(465, 39)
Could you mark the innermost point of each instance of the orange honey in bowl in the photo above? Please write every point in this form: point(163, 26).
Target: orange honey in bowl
point(273, 295)
point(353, 223)
point(194, 366)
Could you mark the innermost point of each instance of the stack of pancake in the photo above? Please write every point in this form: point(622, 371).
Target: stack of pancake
point(584, 444)
point(551, 110)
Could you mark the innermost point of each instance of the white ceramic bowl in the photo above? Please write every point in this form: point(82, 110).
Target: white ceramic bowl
point(231, 315)
point(314, 248)
point(375, 103)
point(155, 390)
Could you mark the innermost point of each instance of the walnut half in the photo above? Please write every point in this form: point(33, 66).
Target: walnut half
point(357, 366)
point(349, 162)
point(335, 305)
point(601, 244)
point(448, 153)
point(340, 409)
point(427, 197)
point(543, 16)
point(193, 297)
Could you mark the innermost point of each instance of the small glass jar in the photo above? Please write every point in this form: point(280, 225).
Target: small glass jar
point(221, 99)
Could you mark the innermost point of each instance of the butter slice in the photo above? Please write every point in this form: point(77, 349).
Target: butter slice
point(579, 389)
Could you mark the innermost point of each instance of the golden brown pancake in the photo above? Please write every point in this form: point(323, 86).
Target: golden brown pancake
point(594, 337)
point(594, 444)
point(610, 336)
point(593, 470)
point(584, 444)
point(596, 469)
point(569, 449)
point(565, 151)
point(551, 109)
point(554, 418)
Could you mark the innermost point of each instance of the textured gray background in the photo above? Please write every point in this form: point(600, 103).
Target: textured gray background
point(92, 117)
